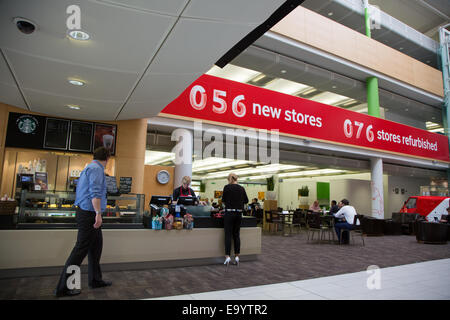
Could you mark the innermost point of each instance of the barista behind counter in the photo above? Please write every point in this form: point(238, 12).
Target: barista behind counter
point(184, 190)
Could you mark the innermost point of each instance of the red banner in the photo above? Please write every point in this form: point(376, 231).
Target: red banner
point(223, 101)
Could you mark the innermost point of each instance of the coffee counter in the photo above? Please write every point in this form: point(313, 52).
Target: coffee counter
point(44, 251)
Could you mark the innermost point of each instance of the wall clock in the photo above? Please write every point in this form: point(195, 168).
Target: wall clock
point(163, 176)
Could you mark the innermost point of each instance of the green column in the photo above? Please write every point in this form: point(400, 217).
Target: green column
point(373, 100)
point(367, 20)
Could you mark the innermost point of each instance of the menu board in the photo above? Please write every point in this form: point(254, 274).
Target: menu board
point(56, 133)
point(125, 184)
point(38, 132)
point(25, 131)
point(111, 185)
point(81, 136)
point(105, 136)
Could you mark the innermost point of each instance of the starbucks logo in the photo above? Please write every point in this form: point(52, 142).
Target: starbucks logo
point(27, 124)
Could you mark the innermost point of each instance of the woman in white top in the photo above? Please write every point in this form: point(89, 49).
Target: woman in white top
point(349, 213)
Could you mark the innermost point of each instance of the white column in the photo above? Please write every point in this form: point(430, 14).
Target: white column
point(183, 154)
point(376, 165)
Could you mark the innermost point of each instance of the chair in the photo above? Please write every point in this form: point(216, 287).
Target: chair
point(287, 220)
point(273, 219)
point(357, 229)
point(259, 215)
point(297, 219)
point(315, 225)
point(303, 221)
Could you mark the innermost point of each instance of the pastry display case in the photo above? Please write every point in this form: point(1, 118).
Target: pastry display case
point(55, 209)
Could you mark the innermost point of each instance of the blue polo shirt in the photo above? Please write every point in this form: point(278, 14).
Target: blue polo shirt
point(91, 184)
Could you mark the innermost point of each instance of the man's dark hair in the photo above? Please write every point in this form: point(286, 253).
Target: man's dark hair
point(333, 202)
point(345, 202)
point(101, 154)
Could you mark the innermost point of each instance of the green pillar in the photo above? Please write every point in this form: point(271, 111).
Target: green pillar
point(367, 20)
point(373, 99)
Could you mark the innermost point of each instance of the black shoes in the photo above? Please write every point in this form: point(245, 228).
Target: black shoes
point(100, 284)
point(67, 293)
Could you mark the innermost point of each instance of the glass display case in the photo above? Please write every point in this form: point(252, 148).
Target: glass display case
point(55, 209)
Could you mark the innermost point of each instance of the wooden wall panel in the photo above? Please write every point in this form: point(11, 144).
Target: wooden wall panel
point(153, 187)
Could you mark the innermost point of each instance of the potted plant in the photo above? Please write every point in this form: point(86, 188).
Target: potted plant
point(270, 184)
point(303, 192)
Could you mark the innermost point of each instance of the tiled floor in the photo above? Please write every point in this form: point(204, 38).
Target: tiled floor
point(300, 268)
point(418, 281)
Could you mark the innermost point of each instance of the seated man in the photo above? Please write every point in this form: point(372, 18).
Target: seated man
point(334, 207)
point(349, 213)
point(254, 206)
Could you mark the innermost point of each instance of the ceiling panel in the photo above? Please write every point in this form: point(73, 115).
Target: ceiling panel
point(160, 86)
point(139, 110)
point(187, 51)
point(171, 7)
point(9, 92)
point(47, 103)
point(100, 84)
point(124, 46)
point(236, 11)
point(11, 95)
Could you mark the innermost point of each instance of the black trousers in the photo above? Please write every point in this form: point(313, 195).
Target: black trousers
point(232, 226)
point(90, 243)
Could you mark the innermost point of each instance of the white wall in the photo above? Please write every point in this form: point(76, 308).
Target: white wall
point(354, 187)
point(288, 196)
point(357, 192)
point(412, 186)
point(217, 185)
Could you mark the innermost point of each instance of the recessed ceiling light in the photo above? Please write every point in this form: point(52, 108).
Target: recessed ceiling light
point(330, 13)
point(283, 71)
point(334, 87)
point(428, 61)
point(401, 48)
point(76, 82)
point(79, 35)
point(72, 106)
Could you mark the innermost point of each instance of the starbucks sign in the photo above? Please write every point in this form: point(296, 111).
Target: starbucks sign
point(27, 124)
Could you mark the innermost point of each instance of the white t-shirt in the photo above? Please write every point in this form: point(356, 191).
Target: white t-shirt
point(349, 213)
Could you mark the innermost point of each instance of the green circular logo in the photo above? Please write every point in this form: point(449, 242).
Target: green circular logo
point(27, 124)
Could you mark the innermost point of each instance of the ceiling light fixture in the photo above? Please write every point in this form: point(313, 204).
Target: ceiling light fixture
point(74, 107)
point(283, 71)
point(79, 35)
point(76, 82)
point(257, 78)
point(330, 13)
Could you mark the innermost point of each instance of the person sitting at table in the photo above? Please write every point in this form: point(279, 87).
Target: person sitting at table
point(348, 212)
point(315, 207)
point(254, 206)
point(334, 208)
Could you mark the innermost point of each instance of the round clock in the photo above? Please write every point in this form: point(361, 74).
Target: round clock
point(163, 176)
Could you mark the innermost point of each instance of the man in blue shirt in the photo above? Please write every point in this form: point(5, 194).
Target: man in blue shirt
point(91, 202)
